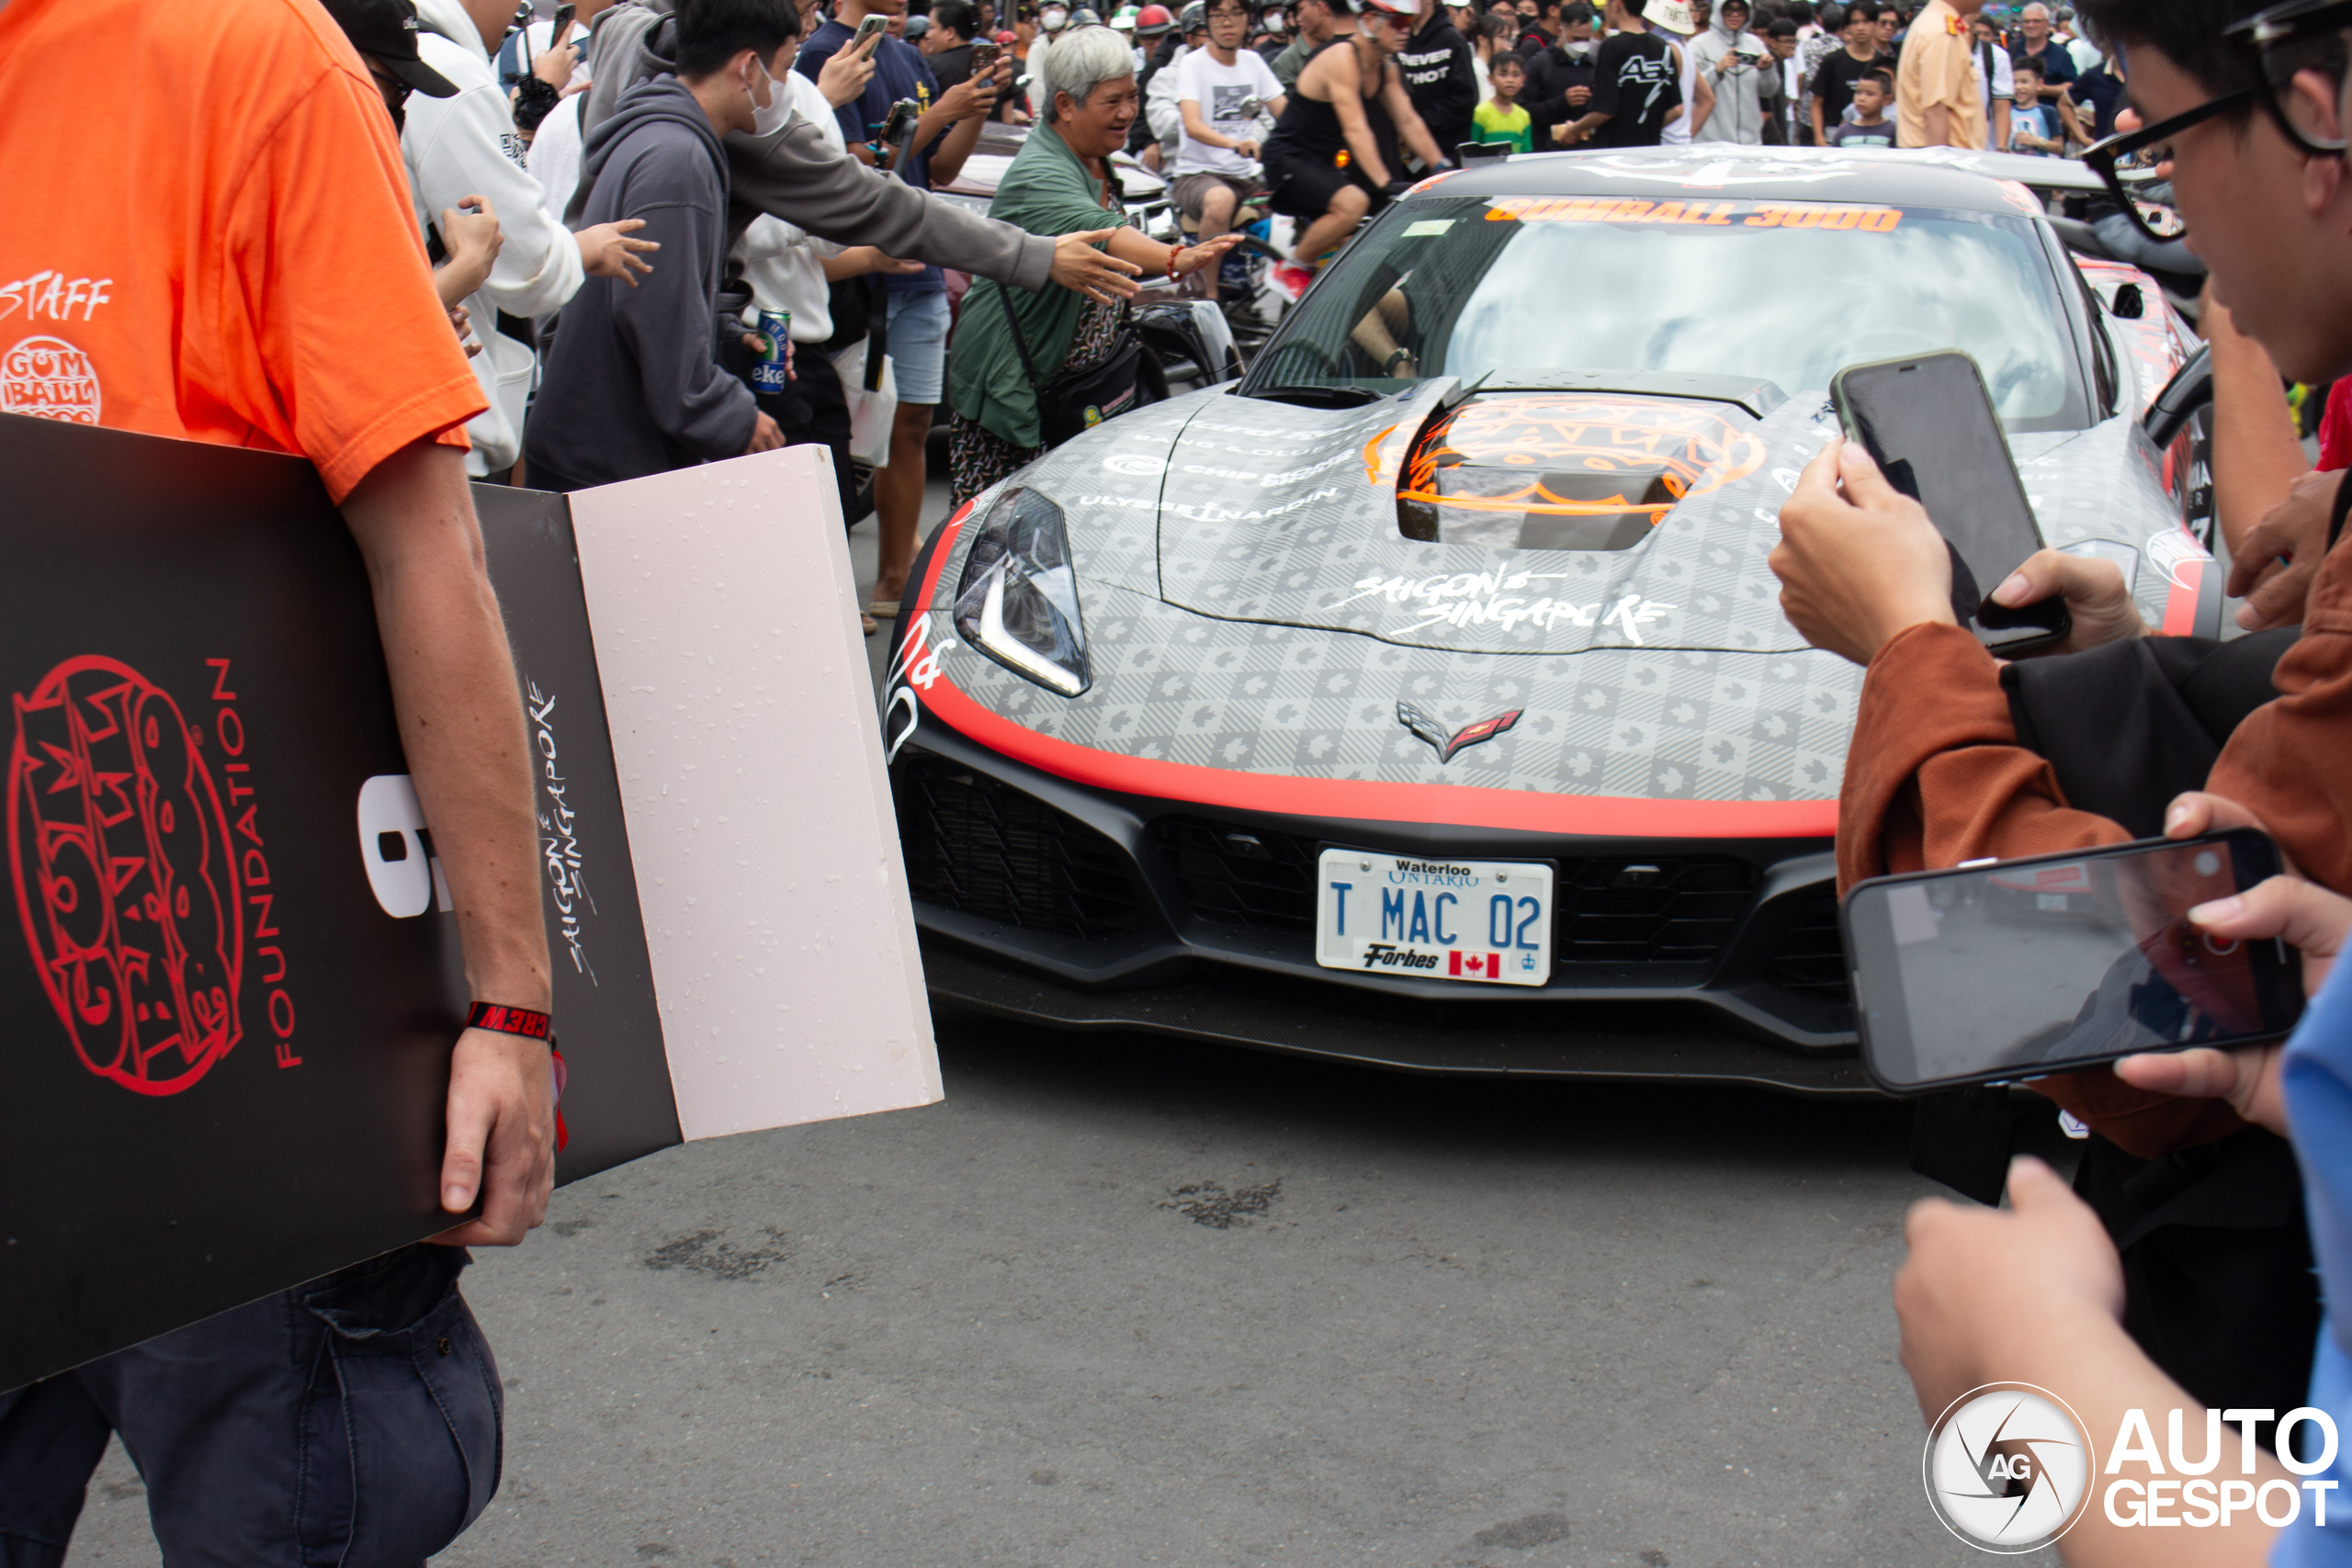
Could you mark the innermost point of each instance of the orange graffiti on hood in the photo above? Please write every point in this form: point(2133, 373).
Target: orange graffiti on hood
point(1682, 442)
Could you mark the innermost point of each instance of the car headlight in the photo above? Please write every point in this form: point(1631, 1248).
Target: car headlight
point(1018, 600)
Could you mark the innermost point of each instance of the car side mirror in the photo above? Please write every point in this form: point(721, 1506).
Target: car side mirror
point(2129, 304)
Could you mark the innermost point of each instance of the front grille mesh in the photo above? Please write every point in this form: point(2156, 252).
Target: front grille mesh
point(1658, 910)
point(1808, 955)
point(986, 848)
point(1242, 876)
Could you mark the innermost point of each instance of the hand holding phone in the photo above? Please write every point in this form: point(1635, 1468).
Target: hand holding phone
point(1930, 424)
point(2032, 966)
point(898, 128)
point(873, 26)
point(983, 57)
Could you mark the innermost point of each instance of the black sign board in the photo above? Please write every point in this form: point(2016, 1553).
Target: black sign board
point(227, 996)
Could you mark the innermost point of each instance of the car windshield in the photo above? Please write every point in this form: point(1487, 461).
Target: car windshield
point(1786, 293)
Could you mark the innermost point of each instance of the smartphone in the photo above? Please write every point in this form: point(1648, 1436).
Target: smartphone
point(1929, 424)
point(899, 128)
point(874, 23)
point(2030, 966)
point(563, 14)
point(983, 57)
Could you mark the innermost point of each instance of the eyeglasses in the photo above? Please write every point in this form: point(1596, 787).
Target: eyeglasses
point(2128, 163)
point(2285, 41)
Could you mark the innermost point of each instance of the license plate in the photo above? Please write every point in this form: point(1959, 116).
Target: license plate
point(1444, 919)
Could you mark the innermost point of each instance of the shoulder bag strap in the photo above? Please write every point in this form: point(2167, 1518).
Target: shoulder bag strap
point(1019, 344)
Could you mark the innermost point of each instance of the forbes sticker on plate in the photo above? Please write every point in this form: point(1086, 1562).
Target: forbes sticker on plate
point(1436, 919)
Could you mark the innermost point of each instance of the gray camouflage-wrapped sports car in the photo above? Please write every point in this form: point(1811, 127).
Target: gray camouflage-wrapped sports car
point(1422, 699)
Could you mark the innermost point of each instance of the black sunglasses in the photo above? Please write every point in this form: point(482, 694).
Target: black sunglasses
point(2129, 160)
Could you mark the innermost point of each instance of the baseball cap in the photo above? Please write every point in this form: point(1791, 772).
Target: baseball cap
point(1387, 8)
point(385, 31)
point(1674, 15)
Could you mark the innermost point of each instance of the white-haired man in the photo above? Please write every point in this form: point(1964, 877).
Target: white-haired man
point(2057, 65)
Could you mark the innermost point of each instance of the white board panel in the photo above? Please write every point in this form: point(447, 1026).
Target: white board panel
point(766, 851)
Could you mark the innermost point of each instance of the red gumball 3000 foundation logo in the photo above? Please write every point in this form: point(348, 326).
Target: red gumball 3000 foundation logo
point(126, 881)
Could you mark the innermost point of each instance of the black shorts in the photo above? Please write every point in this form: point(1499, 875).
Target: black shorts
point(1302, 187)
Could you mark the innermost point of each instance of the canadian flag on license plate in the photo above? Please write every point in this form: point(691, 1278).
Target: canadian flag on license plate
point(1491, 964)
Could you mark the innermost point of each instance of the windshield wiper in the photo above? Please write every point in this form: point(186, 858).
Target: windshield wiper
point(1310, 395)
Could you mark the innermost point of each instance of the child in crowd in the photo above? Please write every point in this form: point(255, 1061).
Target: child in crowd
point(1870, 127)
point(1503, 118)
point(2033, 125)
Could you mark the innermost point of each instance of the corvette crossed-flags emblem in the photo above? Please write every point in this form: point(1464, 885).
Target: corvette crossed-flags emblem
point(1445, 745)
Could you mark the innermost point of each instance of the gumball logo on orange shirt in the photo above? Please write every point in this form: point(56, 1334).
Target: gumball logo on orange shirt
point(50, 378)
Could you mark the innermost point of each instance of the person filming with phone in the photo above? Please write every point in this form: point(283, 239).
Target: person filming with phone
point(1734, 62)
point(1936, 775)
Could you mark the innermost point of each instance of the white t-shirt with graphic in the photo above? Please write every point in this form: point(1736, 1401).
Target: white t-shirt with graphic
point(1221, 90)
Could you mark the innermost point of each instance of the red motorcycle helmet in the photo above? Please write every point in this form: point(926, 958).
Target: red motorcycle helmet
point(1152, 21)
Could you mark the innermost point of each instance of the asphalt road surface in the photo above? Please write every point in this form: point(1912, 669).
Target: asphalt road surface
point(1121, 1301)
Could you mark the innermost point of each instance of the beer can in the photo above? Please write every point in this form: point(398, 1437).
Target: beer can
point(769, 373)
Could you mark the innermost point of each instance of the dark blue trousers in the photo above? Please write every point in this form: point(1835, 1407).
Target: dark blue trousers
point(353, 1421)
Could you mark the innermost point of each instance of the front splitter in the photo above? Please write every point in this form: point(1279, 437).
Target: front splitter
point(1202, 1011)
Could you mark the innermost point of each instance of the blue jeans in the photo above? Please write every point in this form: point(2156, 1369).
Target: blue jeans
point(355, 1420)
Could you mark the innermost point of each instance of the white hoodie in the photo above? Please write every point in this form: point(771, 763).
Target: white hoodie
point(467, 145)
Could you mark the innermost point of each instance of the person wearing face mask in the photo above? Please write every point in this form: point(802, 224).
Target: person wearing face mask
point(634, 384)
point(1559, 77)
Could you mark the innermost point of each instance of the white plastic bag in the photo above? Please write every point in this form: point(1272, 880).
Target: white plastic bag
point(871, 414)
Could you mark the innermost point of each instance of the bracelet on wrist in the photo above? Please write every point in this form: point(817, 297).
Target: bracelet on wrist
point(501, 1020)
point(1175, 257)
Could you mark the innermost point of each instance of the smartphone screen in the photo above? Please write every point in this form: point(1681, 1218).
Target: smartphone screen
point(1930, 424)
point(2011, 970)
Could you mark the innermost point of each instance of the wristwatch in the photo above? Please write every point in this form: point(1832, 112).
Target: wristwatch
point(1398, 357)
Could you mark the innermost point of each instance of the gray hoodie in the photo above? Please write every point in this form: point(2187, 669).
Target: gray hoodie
point(794, 175)
point(1738, 114)
point(633, 385)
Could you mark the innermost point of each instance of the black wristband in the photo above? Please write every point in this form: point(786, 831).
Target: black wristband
point(507, 1021)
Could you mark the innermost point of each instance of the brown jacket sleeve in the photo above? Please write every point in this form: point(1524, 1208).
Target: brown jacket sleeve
point(1935, 776)
point(2290, 761)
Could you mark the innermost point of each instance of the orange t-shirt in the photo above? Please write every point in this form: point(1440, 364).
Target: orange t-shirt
point(209, 235)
